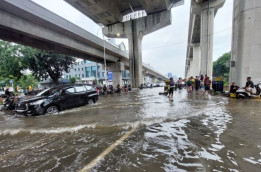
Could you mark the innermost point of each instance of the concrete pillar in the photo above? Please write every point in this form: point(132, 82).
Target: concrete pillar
point(116, 69)
point(153, 80)
point(135, 54)
point(142, 77)
point(246, 42)
point(196, 60)
point(134, 30)
point(188, 74)
point(206, 41)
point(191, 67)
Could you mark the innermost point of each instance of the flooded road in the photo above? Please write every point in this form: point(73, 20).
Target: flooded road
point(137, 131)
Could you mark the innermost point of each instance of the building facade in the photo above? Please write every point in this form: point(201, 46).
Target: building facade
point(88, 72)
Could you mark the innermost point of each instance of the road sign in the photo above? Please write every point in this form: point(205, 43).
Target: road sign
point(110, 78)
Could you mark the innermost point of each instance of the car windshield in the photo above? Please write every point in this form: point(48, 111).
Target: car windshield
point(48, 92)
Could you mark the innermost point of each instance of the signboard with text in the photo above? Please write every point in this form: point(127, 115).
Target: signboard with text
point(110, 78)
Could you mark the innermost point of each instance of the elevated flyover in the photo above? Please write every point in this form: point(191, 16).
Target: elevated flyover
point(110, 14)
point(25, 22)
point(199, 58)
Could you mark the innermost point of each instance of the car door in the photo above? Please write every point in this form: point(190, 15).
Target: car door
point(67, 98)
point(80, 95)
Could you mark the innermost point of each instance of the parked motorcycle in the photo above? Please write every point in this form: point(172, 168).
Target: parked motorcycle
point(242, 93)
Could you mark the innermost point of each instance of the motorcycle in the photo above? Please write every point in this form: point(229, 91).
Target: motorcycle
point(8, 103)
point(242, 93)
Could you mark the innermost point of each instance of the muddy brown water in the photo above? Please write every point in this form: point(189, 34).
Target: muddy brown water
point(190, 133)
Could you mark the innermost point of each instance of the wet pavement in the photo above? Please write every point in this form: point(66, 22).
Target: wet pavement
point(137, 131)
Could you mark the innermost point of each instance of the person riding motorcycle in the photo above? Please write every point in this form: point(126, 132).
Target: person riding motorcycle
point(7, 92)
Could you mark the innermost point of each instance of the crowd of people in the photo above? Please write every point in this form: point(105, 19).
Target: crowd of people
point(201, 82)
point(111, 90)
point(249, 87)
point(191, 84)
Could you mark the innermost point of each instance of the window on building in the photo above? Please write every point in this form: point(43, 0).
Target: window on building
point(88, 72)
point(82, 62)
point(82, 69)
point(75, 75)
point(75, 70)
point(70, 77)
point(93, 73)
point(78, 69)
point(99, 74)
point(82, 75)
point(102, 74)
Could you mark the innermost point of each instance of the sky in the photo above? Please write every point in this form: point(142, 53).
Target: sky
point(165, 49)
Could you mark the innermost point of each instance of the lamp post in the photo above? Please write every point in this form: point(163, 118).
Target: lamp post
point(104, 55)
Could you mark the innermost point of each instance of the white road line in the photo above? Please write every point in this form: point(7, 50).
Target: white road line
point(108, 150)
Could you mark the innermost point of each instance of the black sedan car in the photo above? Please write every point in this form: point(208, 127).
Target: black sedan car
point(56, 99)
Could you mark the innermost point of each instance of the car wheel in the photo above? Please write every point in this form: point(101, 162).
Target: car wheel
point(52, 110)
point(91, 101)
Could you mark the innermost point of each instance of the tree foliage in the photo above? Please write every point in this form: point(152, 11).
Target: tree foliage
point(73, 80)
point(11, 60)
point(219, 66)
point(44, 64)
point(28, 80)
point(15, 58)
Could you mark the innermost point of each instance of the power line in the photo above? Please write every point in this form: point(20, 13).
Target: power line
point(182, 42)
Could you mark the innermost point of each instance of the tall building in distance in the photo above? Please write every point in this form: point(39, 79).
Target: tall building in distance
point(89, 71)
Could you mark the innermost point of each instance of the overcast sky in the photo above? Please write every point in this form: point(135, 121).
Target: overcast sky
point(165, 49)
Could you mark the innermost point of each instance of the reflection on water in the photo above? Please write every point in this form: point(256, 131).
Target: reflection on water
point(191, 133)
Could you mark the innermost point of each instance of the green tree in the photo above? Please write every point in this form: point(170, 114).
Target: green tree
point(11, 61)
point(28, 80)
point(220, 65)
point(73, 80)
point(46, 63)
point(220, 68)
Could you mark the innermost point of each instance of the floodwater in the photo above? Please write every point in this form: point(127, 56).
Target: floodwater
point(137, 131)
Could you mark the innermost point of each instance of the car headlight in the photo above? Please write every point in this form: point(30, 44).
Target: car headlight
point(38, 102)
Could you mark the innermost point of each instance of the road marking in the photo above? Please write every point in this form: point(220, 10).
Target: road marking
point(108, 150)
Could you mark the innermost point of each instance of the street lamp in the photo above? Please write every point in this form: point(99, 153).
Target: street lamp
point(104, 55)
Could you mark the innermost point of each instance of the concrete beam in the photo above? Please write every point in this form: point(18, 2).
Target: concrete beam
point(111, 12)
point(134, 30)
point(18, 23)
point(43, 29)
point(196, 8)
point(145, 25)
